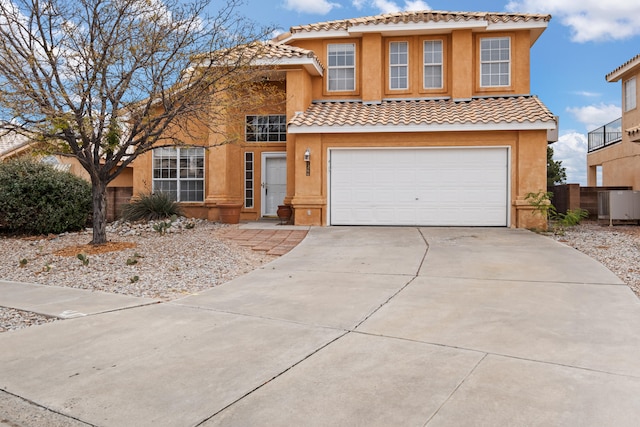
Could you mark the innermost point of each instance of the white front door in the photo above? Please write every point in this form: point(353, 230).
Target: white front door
point(274, 182)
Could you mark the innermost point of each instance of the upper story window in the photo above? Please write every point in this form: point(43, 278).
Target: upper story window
point(342, 67)
point(433, 64)
point(399, 65)
point(179, 172)
point(266, 128)
point(630, 94)
point(495, 61)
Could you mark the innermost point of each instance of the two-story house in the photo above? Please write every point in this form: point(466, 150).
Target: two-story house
point(415, 118)
point(614, 147)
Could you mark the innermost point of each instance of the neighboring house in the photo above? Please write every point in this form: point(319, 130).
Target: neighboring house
point(615, 147)
point(119, 191)
point(415, 118)
point(12, 145)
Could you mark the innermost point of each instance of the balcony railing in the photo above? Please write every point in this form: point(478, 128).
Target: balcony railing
point(605, 135)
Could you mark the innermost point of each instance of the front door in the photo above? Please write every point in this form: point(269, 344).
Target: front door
point(274, 182)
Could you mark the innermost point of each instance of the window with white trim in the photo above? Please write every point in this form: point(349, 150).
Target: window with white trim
point(495, 61)
point(399, 65)
point(432, 51)
point(630, 94)
point(248, 179)
point(341, 60)
point(179, 172)
point(266, 128)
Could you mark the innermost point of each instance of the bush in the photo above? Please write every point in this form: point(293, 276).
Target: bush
point(151, 207)
point(38, 199)
point(572, 217)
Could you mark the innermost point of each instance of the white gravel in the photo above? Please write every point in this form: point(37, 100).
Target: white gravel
point(190, 257)
point(617, 248)
point(193, 256)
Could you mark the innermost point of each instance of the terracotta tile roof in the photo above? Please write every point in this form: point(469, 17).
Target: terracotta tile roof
point(264, 53)
point(421, 16)
point(617, 73)
point(272, 50)
point(478, 111)
point(11, 142)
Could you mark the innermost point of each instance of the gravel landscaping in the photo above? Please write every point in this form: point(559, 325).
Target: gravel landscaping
point(616, 247)
point(193, 255)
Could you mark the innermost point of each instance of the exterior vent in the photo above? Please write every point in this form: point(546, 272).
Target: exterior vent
point(618, 206)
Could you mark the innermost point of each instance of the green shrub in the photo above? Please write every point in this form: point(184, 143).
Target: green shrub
point(38, 199)
point(151, 207)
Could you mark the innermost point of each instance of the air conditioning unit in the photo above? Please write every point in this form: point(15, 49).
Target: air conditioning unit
point(619, 206)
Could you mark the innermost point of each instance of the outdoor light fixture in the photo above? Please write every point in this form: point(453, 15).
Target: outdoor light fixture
point(307, 159)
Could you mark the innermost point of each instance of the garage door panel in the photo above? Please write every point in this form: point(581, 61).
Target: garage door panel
point(466, 187)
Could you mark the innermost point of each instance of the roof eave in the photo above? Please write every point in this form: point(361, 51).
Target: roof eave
point(457, 127)
point(536, 28)
point(619, 72)
point(415, 27)
point(310, 64)
point(328, 34)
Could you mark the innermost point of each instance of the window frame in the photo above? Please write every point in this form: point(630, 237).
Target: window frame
point(630, 97)
point(499, 61)
point(426, 64)
point(180, 174)
point(249, 179)
point(265, 128)
point(405, 65)
point(331, 68)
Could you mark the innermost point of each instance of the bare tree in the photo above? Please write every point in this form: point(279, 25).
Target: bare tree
point(106, 80)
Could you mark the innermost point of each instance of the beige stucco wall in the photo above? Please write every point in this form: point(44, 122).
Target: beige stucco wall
point(461, 67)
point(620, 162)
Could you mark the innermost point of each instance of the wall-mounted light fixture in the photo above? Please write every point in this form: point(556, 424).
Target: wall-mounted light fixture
point(307, 159)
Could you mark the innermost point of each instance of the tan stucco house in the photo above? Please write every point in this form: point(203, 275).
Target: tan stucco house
point(615, 147)
point(415, 118)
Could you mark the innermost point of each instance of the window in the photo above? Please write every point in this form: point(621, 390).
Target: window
point(180, 173)
point(630, 94)
point(248, 179)
point(271, 128)
point(342, 67)
point(433, 64)
point(399, 65)
point(495, 62)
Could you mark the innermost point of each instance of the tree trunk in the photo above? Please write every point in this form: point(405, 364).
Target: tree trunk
point(99, 194)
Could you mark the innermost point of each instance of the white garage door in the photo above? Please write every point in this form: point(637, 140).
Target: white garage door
point(447, 187)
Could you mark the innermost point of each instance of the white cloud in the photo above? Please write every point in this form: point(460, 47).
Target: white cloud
point(587, 94)
point(571, 149)
point(589, 20)
point(388, 6)
point(416, 5)
point(594, 116)
point(321, 7)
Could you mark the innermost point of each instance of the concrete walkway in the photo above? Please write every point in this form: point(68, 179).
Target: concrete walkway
point(355, 326)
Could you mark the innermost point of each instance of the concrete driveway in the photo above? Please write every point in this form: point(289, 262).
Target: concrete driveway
point(355, 326)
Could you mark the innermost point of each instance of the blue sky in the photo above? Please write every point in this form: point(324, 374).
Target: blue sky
point(585, 40)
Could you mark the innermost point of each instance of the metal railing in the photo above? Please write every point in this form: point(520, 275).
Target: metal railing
point(605, 135)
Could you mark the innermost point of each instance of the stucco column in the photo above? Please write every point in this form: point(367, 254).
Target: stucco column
point(371, 72)
point(298, 87)
point(530, 171)
point(309, 202)
point(462, 78)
